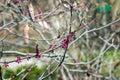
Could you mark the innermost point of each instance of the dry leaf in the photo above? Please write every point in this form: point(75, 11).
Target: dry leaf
point(44, 24)
point(26, 34)
point(31, 10)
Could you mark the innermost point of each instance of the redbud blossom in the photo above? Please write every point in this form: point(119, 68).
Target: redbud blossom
point(28, 56)
point(25, 12)
point(38, 54)
point(65, 42)
point(52, 47)
point(19, 60)
point(35, 17)
point(5, 64)
point(40, 11)
point(16, 1)
point(73, 33)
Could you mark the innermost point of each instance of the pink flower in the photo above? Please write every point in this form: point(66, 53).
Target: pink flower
point(16, 1)
point(52, 47)
point(65, 42)
point(40, 11)
point(28, 56)
point(73, 33)
point(5, 64)
point(19, 60)
point(37, 50)
point(38, 54)
point(25, 12)
point(35, 17)
point(68, 38)
point(73, 8)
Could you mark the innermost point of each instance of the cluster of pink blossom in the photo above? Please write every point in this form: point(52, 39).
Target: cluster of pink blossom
point(65, 41)
point(16, 1)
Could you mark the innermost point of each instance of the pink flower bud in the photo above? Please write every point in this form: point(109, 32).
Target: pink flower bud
point(40, 11)
point(5, 64)
point(28, 56)
point(38, 54)
point(19, 60)
point(16, 1)
point(52, 47)
point(25, 12)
